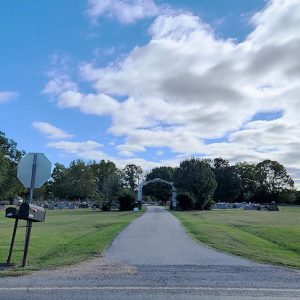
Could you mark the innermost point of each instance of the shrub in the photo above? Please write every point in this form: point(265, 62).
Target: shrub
point(209, 203)
point(106, 206)
point(185, 201)
point(126, 201)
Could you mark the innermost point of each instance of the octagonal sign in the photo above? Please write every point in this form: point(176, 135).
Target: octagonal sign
point(41, 166)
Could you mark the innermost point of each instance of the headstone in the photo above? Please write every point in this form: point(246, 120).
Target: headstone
point(273, 206)
point(72, 206)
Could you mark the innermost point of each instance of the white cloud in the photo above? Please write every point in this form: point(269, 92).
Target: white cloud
point(98, 104)
point(58, 84)
point(76, 147)
point(186, 86)
point(90, 150)
point(6, 96)
point(125, 11)
point(50, 131)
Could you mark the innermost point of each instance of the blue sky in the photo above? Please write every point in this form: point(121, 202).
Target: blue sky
point(151, 82)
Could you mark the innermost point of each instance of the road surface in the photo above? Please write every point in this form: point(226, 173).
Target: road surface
point(153, 258)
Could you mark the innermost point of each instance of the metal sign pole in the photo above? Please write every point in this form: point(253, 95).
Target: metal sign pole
point(27, 239)
point(29, 223)
point(33, 173)
point(12, 241)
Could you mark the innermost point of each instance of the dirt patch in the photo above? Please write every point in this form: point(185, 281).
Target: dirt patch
point(95, 266)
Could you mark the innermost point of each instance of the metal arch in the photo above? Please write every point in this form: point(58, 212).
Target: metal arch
point(158, 180)
point(140, 190)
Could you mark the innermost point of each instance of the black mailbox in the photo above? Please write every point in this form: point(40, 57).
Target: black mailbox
point(12, 212)
point(31, 212)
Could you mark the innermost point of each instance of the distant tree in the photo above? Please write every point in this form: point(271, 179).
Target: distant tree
point(196, 177)
point(101, 171)
point(228, 183)
point(58, 184)
point(132, 176)
point(4, 171)
point(160, 191)
point(246, 173)
point(112, 187)
point(271, 180)
point(297, 200)
point(80, 183)
point(8, 148)
point(10, 186)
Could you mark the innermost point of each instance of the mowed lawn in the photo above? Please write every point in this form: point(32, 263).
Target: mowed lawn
point(66, 237)
point(269, 237)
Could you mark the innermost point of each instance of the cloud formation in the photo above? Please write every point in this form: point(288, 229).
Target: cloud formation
point(125, 11)
point(6, 96)
point(91, 150)
point(50, 130)
point(187, 86)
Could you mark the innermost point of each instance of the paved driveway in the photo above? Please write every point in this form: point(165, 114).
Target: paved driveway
point(157, 238)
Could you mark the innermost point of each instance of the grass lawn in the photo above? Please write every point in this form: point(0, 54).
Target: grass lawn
point(66, 237)
point(269, 237)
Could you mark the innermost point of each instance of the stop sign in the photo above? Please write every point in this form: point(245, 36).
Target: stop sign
point(42, 169)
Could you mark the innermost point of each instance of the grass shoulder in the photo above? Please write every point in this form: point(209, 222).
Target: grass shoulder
point(263, 236)
point(66, 237)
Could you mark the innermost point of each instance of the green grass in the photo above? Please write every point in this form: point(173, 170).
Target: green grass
point(268, 237)
point(66, 237)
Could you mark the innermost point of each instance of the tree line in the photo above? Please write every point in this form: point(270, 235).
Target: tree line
point(199, 182)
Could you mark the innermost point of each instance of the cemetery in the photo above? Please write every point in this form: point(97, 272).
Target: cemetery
point(247, 206)
point(80, 209)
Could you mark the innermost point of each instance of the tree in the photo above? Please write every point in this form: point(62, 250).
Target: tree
point(246, 173)
point(228, 183)
point(196, 177)
point(10, 186)
point(297, 200)
point(132, 175)
point(8, 148)
point(101, 171)
point(112, 187)
point(59, 181)
point(160, 191)
point(271, 180)
point(80, 183)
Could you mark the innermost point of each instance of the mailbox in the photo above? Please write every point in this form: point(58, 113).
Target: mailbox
point(31, 212)
point(12, 212)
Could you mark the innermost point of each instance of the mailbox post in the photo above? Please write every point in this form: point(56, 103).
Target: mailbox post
point(34, 169)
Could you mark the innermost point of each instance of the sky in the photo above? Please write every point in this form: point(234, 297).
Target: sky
point(152, 82)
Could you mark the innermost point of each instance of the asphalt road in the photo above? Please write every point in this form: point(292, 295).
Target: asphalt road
point(153, 258)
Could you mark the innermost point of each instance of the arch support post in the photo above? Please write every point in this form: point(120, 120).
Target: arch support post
point(140, 196)
point(174, 201)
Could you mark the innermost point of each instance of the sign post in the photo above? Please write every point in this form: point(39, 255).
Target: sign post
point(34, 169)
point(33, 177)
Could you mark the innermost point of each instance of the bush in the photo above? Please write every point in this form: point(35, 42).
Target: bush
point(106, 206)
point(126, 201)
point(185, 201)
point(209, 203)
